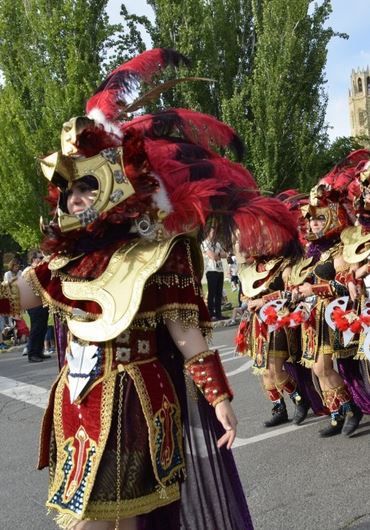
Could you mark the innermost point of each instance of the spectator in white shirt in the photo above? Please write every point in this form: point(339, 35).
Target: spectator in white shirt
point(213, 253)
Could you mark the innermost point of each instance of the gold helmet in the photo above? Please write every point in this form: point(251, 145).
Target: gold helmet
point(331, 213)
point(63, 168)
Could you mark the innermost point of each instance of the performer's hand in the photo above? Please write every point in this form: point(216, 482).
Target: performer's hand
point(227, 418)
point(254, 305)
point(362, 271)
point(305, 289)
point(353, 291)
point(295, 294)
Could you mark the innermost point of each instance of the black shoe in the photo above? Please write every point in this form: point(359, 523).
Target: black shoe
point(221, 317)
point(279, 415)
point(352, 419)
point(35, 359)
point(334, 427)
point(300, 412)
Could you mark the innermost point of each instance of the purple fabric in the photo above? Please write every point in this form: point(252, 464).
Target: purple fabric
point(316, 248)
point(61, 340)
point(356, 376)
point(303, 377)
point(212, 496)
point(364, 221)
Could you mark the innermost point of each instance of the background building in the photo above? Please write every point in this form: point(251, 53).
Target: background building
point(359, 102)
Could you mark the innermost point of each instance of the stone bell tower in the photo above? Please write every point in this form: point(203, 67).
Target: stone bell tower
point(359, 102)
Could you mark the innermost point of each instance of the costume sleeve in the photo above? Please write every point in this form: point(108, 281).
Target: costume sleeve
point(9, 299)
point(174, 292)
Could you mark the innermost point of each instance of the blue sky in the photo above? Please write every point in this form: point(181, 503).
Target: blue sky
point(349, 16)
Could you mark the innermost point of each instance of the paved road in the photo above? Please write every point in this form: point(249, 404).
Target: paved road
point(294, 480)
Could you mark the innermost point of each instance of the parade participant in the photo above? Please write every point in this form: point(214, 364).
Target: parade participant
point(320, 281)
point(265, 277)
point(355, 241)
point(129, 445)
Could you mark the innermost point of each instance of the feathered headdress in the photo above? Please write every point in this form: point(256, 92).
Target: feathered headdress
point(171, 158)
point(334, 195)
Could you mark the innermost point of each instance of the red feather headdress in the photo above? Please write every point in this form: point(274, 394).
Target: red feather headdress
point(181, 181)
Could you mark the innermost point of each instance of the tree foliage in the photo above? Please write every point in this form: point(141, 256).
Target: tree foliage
point(288, 101)
point(52, 57)
point(339, 149)
point(218, 38)
point(267, 58)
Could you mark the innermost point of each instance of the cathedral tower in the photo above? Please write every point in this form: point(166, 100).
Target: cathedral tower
point(359, 102)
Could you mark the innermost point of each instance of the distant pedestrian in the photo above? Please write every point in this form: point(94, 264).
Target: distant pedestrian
point(38, 321)
point(13, 272)
point(233, 272)
point(213, 254)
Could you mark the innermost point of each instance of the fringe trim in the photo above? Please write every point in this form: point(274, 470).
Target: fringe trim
point(343, 354)
point(360, 356)
point(187, 314)
point(56, 308)
point(65, 521)
point(171, 280)
point(307, 363)
point(258, 371)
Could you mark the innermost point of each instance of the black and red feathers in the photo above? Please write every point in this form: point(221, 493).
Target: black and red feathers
point(106, 104)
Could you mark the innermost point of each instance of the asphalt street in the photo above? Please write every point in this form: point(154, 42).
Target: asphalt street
point(292, 478)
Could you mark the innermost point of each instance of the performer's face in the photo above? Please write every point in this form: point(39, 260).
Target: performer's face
point(317, 224)
point(80, 197)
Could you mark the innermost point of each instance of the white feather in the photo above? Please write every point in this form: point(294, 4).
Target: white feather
point(98, 116)
point(161, 199)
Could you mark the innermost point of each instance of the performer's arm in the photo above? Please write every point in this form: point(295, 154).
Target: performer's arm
point(28, 298)
point(198, 360)
point(16, 297)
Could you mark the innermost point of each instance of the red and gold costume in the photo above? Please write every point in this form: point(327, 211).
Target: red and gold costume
point(324, 273)
point(118, 433)
point(128, 375)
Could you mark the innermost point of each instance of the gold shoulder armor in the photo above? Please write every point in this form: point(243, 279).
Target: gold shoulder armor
point(301, 270)
point(253, 281)
point(356, 246)
point(118, 290)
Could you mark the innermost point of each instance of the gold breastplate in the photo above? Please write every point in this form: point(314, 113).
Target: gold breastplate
point(118, 290)
point(356, 245)
point(255, 282)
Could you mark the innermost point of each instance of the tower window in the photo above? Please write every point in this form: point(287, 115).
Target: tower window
point(368, 84)
point(359, 84)
point(362, 117)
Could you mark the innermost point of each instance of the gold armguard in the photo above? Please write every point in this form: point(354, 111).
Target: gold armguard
point(208, 374)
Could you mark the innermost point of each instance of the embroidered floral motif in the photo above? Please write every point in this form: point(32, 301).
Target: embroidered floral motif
point(123, 338)
point(123, 354)
point(143, 346)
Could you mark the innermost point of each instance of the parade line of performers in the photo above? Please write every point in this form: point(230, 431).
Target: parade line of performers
point(139, 425)
point(307, 323)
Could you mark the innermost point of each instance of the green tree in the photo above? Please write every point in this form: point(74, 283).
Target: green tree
point(218, 38)
point(288, 133)
point(52, 57)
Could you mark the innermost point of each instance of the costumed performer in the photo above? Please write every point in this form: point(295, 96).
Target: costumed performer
point(355, 371)
point(320, 280)
point(264, 275)
point(129, 445)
